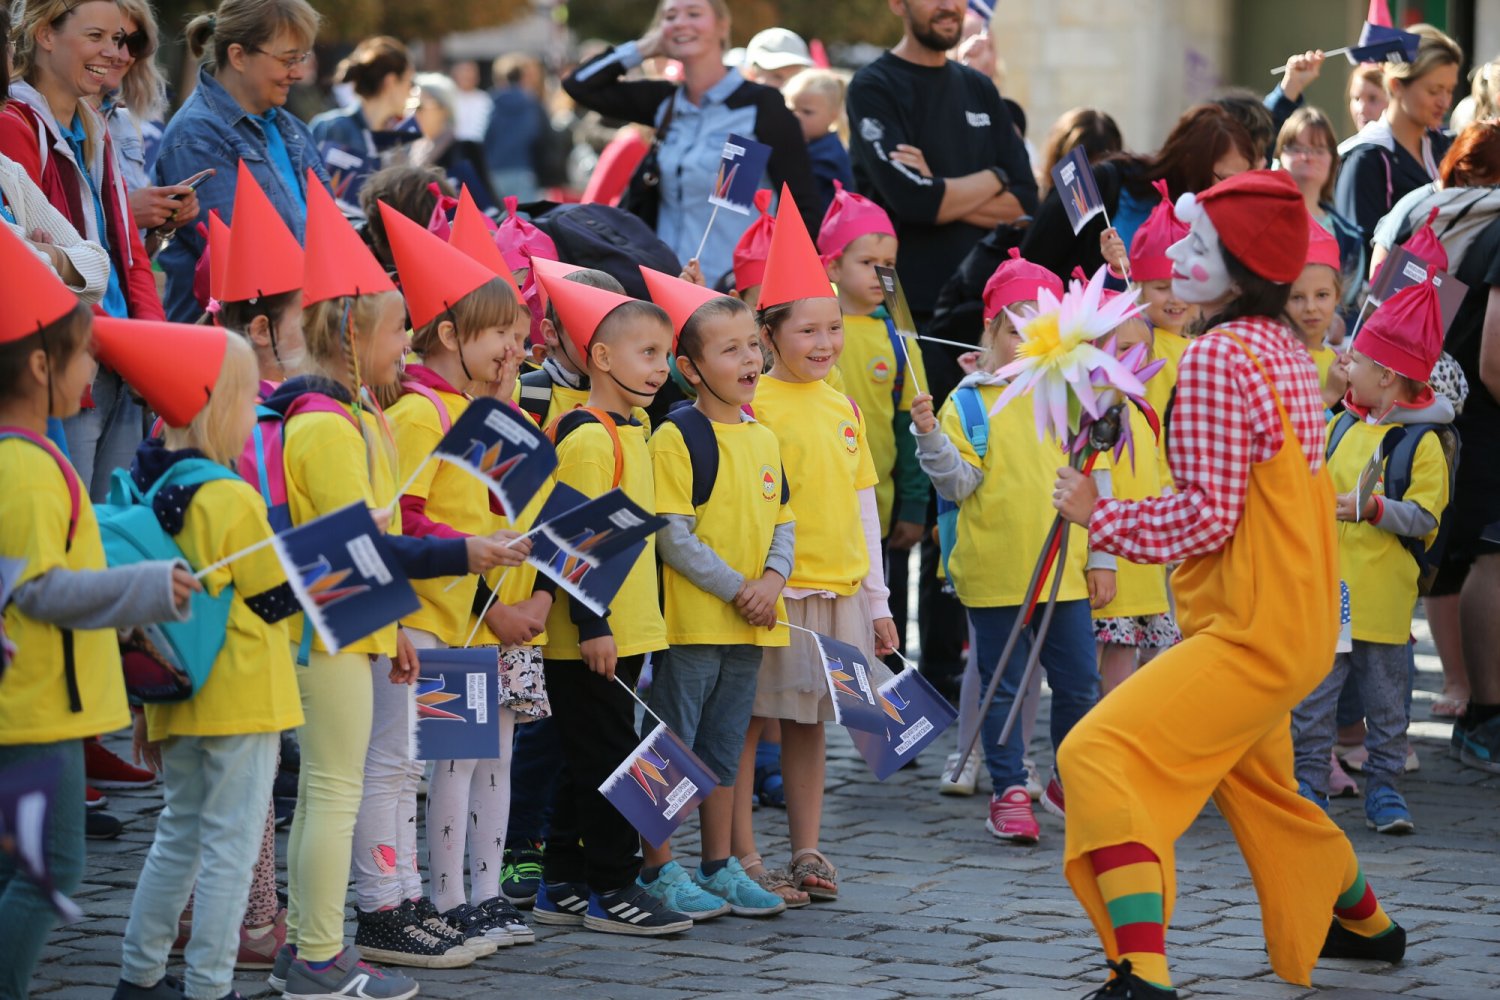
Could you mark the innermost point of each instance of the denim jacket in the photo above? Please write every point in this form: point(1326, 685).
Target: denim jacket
point(212, 130)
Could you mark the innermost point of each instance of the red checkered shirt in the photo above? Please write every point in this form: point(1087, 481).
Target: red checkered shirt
point(1224, 421)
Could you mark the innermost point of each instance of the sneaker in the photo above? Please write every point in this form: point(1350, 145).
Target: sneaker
point(561, 904)
point(95, 799)
point(1340, 785)
point(959, 781)
point(101, 826)
point(166, 988)
point(259, 948)
point(397, 937)
point(677, 890)
point(1312, 795)
point(1126, 985)
point(1386, 812)
point(1011, 817)
point(108, 770)
point(1481, 745)
point(477, 926)
point(522, 874)
point(426, 913)
point(1052, 799)
point(632, 910)
point(1456, 738)
point(743, 894)
point(348, 977)
point(1033, 779)
point(510, 920)
point(285, 956)
point(1343, 943)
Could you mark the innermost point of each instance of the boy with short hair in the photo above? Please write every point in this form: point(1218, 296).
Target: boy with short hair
point(560, 384)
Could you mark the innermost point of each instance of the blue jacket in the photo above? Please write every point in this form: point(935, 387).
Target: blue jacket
point(515, 126)
point(830, 162)
point(212, 130)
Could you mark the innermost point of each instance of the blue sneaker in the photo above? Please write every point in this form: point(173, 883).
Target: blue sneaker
point(1386, 812)
point(1481, 746)
point(1312, 795)
point(633, 910)
point(744, 897)
point(678, 891)
point(561, 904)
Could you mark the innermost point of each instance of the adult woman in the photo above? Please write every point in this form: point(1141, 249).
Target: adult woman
point(62, 53)
point(1401, 149)
point(253, 52)
point(1305, 150)
point(380, 71)
point(693, 121)
point(434, 103)
point(1207, 144)
point(1210, 716)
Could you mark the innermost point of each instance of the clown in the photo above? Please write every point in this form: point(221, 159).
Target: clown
point(1211, 715)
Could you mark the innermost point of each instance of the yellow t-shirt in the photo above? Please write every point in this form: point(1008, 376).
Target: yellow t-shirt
point(1324, 357)
point(1380, 572)
point(329, 466)
point(1167, 346)
point(868, 366)
point(565, 398)
point(1139, 589)
point(586, 462)
point(1003, 524)
point(34, 513)
point(253, 686)
point(827, 461)
point(737, 522)
point(516, 583)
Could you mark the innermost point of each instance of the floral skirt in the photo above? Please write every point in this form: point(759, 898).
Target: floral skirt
point(1140, 631)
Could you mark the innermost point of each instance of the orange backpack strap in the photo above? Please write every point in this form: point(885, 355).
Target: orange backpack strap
point(556, 432)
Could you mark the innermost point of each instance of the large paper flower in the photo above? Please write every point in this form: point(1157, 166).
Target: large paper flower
point(1112, 430)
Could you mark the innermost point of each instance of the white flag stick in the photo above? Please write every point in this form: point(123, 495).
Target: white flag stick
point(909, 370)
point(706, 230)
point(1330, 52)
point(638, 701)
point(234, 556)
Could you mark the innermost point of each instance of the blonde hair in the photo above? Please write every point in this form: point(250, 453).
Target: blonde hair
point(824, 82)
point(1436, 50)
point(491, 304)
point(249, 24)
point(143, 92)
point(215, 429)
point(328, 333)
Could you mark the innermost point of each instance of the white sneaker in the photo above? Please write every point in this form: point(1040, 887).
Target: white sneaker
point(1033, 779)
point(956, 781)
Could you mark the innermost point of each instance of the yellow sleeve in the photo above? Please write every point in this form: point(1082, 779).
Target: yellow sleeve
point(225, 517)
point(1429, 480)
point(673, 471)
point(34, 520)
point(865, 475)
point(325, 456)
point(951, 425)
point(417, 430)
point(586, 460)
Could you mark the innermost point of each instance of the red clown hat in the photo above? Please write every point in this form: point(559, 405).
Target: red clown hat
point(472, 234)
point(337, 261)
point(218, 255)
point(1405, 333)
point(32, 293)
point(793, 269)
point(580, 308)
point(750, 252)
point(135, 348)
point(264, 257)
point(1148, 248)
point(679, 298)
point(434, 275)
point(1017, 280)
point(1322, 248)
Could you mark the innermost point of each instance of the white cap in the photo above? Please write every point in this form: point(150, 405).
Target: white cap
point(777, 48)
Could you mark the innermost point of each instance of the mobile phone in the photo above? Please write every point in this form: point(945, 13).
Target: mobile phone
point(196, 181)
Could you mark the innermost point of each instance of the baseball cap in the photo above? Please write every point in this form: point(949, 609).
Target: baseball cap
point(777, 48)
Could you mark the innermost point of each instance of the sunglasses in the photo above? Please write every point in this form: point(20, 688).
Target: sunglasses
point(137, 43)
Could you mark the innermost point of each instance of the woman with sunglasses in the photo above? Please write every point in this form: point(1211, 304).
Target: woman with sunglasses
point(252, 52)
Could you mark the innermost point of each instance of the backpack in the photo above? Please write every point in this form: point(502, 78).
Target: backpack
point(536, 394)
point(898, 353)
point(703, 451)
point(574, 419)
point(607, 239)
point(975, 422)
point(263, 465)
point(1399, 446)
point(417, 388)
point(166, 661)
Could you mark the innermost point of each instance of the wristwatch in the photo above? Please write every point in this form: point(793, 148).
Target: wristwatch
point(1003, 178)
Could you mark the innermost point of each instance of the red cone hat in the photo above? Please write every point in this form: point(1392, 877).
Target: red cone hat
point(793, 269)
point(218, 255)
point(136, 349)
point(472, 234)
point(580, 308)
point(337, 261)
point(34, 297)
point(434, 275)
point(264, 257)
point(679, 298)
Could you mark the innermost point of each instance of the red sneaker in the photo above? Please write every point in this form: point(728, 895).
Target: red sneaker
point(107, 770)
point(1052, 799)
point(258, 947)
point(1011, 817)
point(93, 798)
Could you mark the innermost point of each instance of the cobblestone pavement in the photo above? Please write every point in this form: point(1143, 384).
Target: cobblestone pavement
point(932, 906)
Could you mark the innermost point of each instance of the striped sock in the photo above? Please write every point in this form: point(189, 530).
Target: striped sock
point(1130, 880)
point(1357, 909)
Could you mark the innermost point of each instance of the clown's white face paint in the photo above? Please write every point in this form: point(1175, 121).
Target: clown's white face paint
point(1198, 272)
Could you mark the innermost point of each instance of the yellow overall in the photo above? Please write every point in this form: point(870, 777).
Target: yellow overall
point(1212, 716)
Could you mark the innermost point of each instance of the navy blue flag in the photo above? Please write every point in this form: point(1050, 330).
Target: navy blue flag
point(496, 444)
point(915, 716)
point(344, 576)
point(741, 167)
point(590, 546)
point(26, 794)
point(457, 705)
point(851, 684)
point(984, 9)
point(1074, 180)
point(1378, 43)
point(1403, 269)
point(658, 785)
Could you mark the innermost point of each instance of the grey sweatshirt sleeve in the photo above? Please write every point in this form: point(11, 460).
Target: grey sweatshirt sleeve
point(1103, 482)
point(685, 552)
point(954, 478)
point(1405, 517)
point(783, 546)
point(108, 598)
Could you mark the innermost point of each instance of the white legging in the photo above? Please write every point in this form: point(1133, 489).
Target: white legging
point(385, 831)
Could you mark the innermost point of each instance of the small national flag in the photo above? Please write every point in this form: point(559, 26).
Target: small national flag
point(658, 785)
point(26, 794)
point(741, 168)
point(851, 684)
point(896, 305)
point(10, 572)
point(1074, 180)
point(344, 576)
point(457, 705)
point(589, 546)
point(1382, 43)
point(915, 715)
point(494, 443)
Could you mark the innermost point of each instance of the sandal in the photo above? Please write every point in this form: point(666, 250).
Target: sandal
point(775, 880)
point(808, 865)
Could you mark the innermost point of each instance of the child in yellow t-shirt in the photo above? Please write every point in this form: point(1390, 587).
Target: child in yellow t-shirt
point(726, 556)
point(52, 555)
point(1313, 305)
point(590, 869)
point(1380, 534)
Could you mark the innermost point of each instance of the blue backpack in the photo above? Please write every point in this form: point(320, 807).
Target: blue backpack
point(976, 427)
point(168, 661)
point(703, 451)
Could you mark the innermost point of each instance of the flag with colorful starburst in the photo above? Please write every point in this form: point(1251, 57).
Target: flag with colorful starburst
point(915, 715)
point(456, 711)
point(659, 785)
point(493, 442)
point(852, 685)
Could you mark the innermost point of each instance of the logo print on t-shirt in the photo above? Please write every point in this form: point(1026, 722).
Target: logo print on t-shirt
point(768, 488)
point(870, 130)
point(850, 436)
point(880, 370)
point(978, 119)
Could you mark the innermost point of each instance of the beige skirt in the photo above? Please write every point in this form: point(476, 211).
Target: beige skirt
point(793, 684)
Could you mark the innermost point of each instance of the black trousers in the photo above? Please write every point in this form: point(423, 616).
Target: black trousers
point(589, 841)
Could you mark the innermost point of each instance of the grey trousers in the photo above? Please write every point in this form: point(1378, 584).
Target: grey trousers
point(1381, 669)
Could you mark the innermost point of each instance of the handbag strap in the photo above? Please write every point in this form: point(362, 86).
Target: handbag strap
point(666, 122)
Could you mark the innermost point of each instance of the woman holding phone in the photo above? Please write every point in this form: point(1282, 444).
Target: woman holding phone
point(253, 52)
